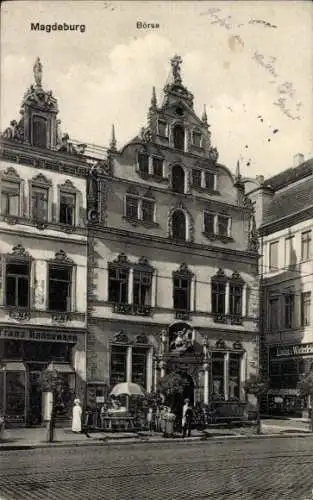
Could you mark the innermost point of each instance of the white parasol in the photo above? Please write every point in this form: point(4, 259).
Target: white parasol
point(128, 388)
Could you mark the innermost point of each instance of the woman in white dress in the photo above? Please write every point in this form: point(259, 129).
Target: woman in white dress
point(77, 416)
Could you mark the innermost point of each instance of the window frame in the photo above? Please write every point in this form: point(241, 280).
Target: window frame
point(157, 158)
point(68, 266)
point(11, 176)
point(270, 264)
point(228, 226)
point(208, 173)
point(183, 274)
point(147, 156)
point(193, 184)
point(40, 182)
point(196, 132)
point(305, 304)
point(12, 259)
point(206, 213)
point(186, 224)
point(289, 310)
point(132, 197)
point(306, 238)
point(274, 326)
point(164, 122)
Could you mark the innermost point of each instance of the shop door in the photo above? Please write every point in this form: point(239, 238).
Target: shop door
point(35, 398)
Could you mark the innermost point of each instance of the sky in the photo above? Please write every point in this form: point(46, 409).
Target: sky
point(249, 62)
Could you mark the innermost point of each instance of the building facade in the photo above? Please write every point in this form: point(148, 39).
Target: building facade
point(284, 208)
point(173, 254)
point(43, 258)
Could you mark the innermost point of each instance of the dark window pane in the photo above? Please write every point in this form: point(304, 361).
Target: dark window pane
point(179, 225)
point(179, 137)
point(196, 139)
point(39, 132)
point(139, 366)
point(118, 364)
point(234, 376)
point(67, 209)
point(60, 285)
point(10, 198)
point(148, 210)
point(162, 128)
point(222, 225)
point(209, 180)
point(17, 284)
point(217, 375)
point(218, 298)
point(39, 203)
point(132, 207)
point(143, 161)
point(178, 179)
point(11, 290)
point(196, 177)
point(118, 285)
point(235, 296)
point(208, 223)
point(157, 167)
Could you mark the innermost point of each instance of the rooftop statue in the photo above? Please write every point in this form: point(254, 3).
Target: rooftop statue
point(38, 72)
point(176, 61)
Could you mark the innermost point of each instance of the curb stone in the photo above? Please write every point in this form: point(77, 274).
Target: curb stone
point(134, 441)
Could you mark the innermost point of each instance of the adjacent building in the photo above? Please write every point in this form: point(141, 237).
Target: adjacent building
point(284, 214)
point(43, 258)
point(173, 254)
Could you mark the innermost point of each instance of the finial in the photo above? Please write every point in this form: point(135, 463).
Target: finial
point(204, 116)
point(38, 72)
point(238, 175)
point(153, 98)
point(176, 61)
point(113, 140)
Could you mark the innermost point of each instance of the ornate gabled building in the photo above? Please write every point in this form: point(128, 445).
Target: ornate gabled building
point(172, 259)
point(43, 258)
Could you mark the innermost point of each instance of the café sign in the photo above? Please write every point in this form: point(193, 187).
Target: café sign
point(294, 350)
point(38, 335)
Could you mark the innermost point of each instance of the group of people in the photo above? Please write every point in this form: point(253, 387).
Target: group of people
point(164, 420)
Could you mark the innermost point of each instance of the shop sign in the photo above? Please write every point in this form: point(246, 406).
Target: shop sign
point(37, 335)
point(294, 350)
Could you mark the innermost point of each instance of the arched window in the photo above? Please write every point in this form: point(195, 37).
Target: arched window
point(178, 179)
point(179, 226)
point(179, 137)
point(39, 131)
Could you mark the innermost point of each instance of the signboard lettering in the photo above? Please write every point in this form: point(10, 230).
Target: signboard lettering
point(38, 335)
point(294, 350)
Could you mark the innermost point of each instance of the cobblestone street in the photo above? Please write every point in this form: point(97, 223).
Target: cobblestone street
point(270, 469)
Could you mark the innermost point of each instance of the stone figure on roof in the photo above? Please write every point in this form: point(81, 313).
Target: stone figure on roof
point(176, 62)
point(38, 72)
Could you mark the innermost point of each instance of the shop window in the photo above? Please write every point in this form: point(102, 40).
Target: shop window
point(143, 163)
point(196, 139)
point(39, 203)
point(289, 310)
point(147, 210)
point(196, 177)
point(179, 226)
point(178, 179)
point(118, 364)
point(306, 245)
point(39, 131)
point(67, 208)
point(218, 283)
point(305, 308)
point(274, 322)
point(157, 166)
point(223, 225)
point(273, 258)
point(210, 181)
point(118, 285)
point(139, 366)
point(132, 207)
point(209, 223)
point(142, 287)
point(60, 288)
point(218, 389)
point(234, 375)
point(15, 387)
point(10, 198)
point(17, 283)
point(162, 128)
point(179, 137)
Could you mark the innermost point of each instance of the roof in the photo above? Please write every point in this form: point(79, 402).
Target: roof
point(293, 199)
point(290, 175)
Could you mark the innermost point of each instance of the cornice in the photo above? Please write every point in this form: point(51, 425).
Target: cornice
point(41, 236)
point(290, 220)
point(98, 231)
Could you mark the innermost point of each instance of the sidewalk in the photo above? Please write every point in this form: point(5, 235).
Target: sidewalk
point(28, 438)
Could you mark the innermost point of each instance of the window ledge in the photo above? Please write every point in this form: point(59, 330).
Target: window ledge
point(140, 222)
point(206, 190)
point(131, 309)
point(182, 314)
point(230, 319)
point(217, 237)
point(41, 225)
point(151, 176)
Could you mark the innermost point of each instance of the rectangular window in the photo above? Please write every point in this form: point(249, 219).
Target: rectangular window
point(118, 285)
point(196, 178)
point(290, 255)
point(209, 223)
point(289, 310)
point(306, 245)
point(142, 288)
point(118, 364)
point(157, 165)
point(60, 288)
point(274, 323)
point(235, 300)
point(139, 366)
point(67, 209)
point(274, 256)
point(181, 294)
point(223, 222)
point(147, 208)
point(196, 139)
point(210, 181)
point(218, 298)
point(218, 375)
point(234, 375)
point(162, 128)
point(10, 198)
point(132, 206)
point(39, 129)
point(39, 208)
point(17, 284)
point(143, 163)
point(305, 308)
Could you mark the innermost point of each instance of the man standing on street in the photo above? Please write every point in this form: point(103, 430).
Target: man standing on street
point(187, 418)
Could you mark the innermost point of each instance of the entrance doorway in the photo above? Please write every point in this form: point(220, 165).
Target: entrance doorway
point(35, 398)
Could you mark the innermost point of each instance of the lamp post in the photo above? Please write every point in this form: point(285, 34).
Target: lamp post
point(206, 366)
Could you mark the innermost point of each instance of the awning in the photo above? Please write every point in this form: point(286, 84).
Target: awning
point(13, 366)
point(61, 367)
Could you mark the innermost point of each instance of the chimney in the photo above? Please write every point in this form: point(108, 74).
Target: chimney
point(298, 159)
